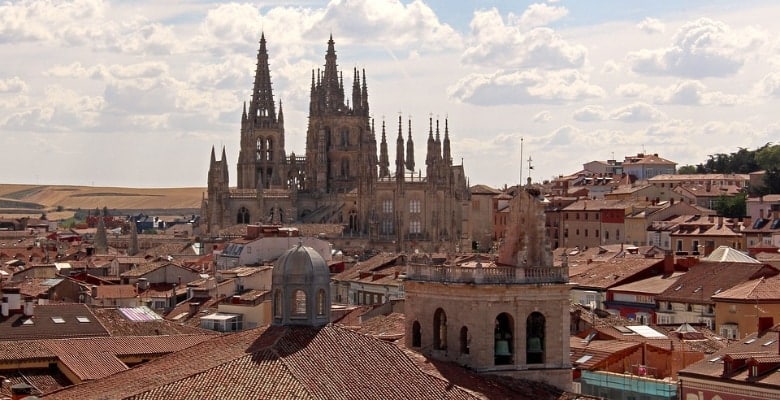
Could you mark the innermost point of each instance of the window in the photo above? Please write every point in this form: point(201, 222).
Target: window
point(596, 233)
point(278, 304)
point(535, 338)
point(299, 299)
point(416, 335)
point(387, 227)
point(58, 320)
point(414, 206)
point(617, 234)
point(83, 319)
point(387, 206)
point(414, 226)
point(586, 233)
point(464, 340)
point(439, 330)
point(321, 302)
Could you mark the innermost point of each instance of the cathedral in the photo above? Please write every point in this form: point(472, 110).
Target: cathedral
point(339, 179)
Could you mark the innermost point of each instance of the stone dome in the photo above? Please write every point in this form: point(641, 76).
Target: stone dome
point(301, 265)
point(300, 284)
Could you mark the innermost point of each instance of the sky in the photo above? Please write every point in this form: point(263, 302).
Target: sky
point(136, 93)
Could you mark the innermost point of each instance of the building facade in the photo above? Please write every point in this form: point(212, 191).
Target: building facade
point(339, 178)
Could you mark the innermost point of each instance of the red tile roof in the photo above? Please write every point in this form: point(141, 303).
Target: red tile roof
point(291, 362)
point(708, 278)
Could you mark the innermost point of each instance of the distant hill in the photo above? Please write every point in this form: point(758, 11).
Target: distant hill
point(19, 200)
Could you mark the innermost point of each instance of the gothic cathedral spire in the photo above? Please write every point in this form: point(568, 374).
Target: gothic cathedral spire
point(384, 159)
point(262, 110)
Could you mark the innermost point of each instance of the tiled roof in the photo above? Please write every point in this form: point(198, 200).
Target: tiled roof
point(653, 285)
point(598, 350)
point(758, 345)
point(117, 325)
point(43, 380)
point(752, 290)
point(288, 362)
point(709, 278)
point(43, 324)
point(612, 272)
point(94, 358)
point(115, 291)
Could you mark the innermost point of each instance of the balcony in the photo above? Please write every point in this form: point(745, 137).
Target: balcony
point(487, 275)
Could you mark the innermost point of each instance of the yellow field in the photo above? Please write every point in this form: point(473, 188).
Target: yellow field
point(50, 198)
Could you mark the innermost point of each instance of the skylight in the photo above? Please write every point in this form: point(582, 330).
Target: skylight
point(28, 321)
point(83, 319)
point(768, 343)
point(716, 359)
point(58, 320)
point(583, 359)
point(749, 341)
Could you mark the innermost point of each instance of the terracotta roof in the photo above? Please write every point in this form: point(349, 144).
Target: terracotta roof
point(52, 321)
point(598, 350)
point(612, 272)
point(115, 291)
point(752, 290)
point(653, 285)
point(707, 278)
point(758, 345)
point(94, 358)
point(118, 325)
point(291, 362)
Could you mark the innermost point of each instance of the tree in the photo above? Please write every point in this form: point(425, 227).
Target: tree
point(732, 206)
point(768, 158)
point(687, 170)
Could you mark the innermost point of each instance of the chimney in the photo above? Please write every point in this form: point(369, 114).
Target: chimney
point(13, 299)
point(20, 391)
point(194, 306)
point(94, 292)
point(143, 284)
point(29, 306)
point(720, 220)
point(765, 323)
point(668, 263)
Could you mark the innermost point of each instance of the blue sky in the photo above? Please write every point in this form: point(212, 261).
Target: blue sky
point(115, 93)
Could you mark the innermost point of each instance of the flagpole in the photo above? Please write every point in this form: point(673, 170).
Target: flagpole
point(521, 161)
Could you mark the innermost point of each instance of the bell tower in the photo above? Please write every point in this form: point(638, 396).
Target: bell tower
point(506, 318)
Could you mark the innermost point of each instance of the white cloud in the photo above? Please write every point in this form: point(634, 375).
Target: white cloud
point(631, 89)
point(651, 25)
point(499, 45)
point(700, 49)
point(590, 113)
point(636, 112)
point(12, 85)
point(542, 117)
point(37, 20)
point(524, 87)
point(769, 85)
point(685, 92)
point(539, 14)
point(391, 22)
point(60, 110)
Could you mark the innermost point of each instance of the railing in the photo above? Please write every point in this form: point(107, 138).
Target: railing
point(486, 275)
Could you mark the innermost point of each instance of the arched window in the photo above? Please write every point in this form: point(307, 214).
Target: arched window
point(534, 338)
point(439, 330)
point(261, 149)
point(344, 137)
point(321, 302)
point(345, 167)
point(243, 216)
point(416, 335)
point(464, 340)
point(353, 221)
point(503, 341)
point(299, 303)
point(278, 304)
point(270, 150)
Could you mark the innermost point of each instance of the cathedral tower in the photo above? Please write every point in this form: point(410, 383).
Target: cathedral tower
point(262, 157)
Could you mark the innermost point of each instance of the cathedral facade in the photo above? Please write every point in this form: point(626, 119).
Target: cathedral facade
point(339, 179)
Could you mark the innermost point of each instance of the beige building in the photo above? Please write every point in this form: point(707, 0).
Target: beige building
point(510, 318)
point(739, 310)
point(339, 179)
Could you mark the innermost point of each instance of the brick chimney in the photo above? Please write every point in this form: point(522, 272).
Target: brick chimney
point(668, 263)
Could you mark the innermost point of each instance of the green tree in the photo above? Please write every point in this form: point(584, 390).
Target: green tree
point(687, 170)
point(732, 206)
point(768, 159)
